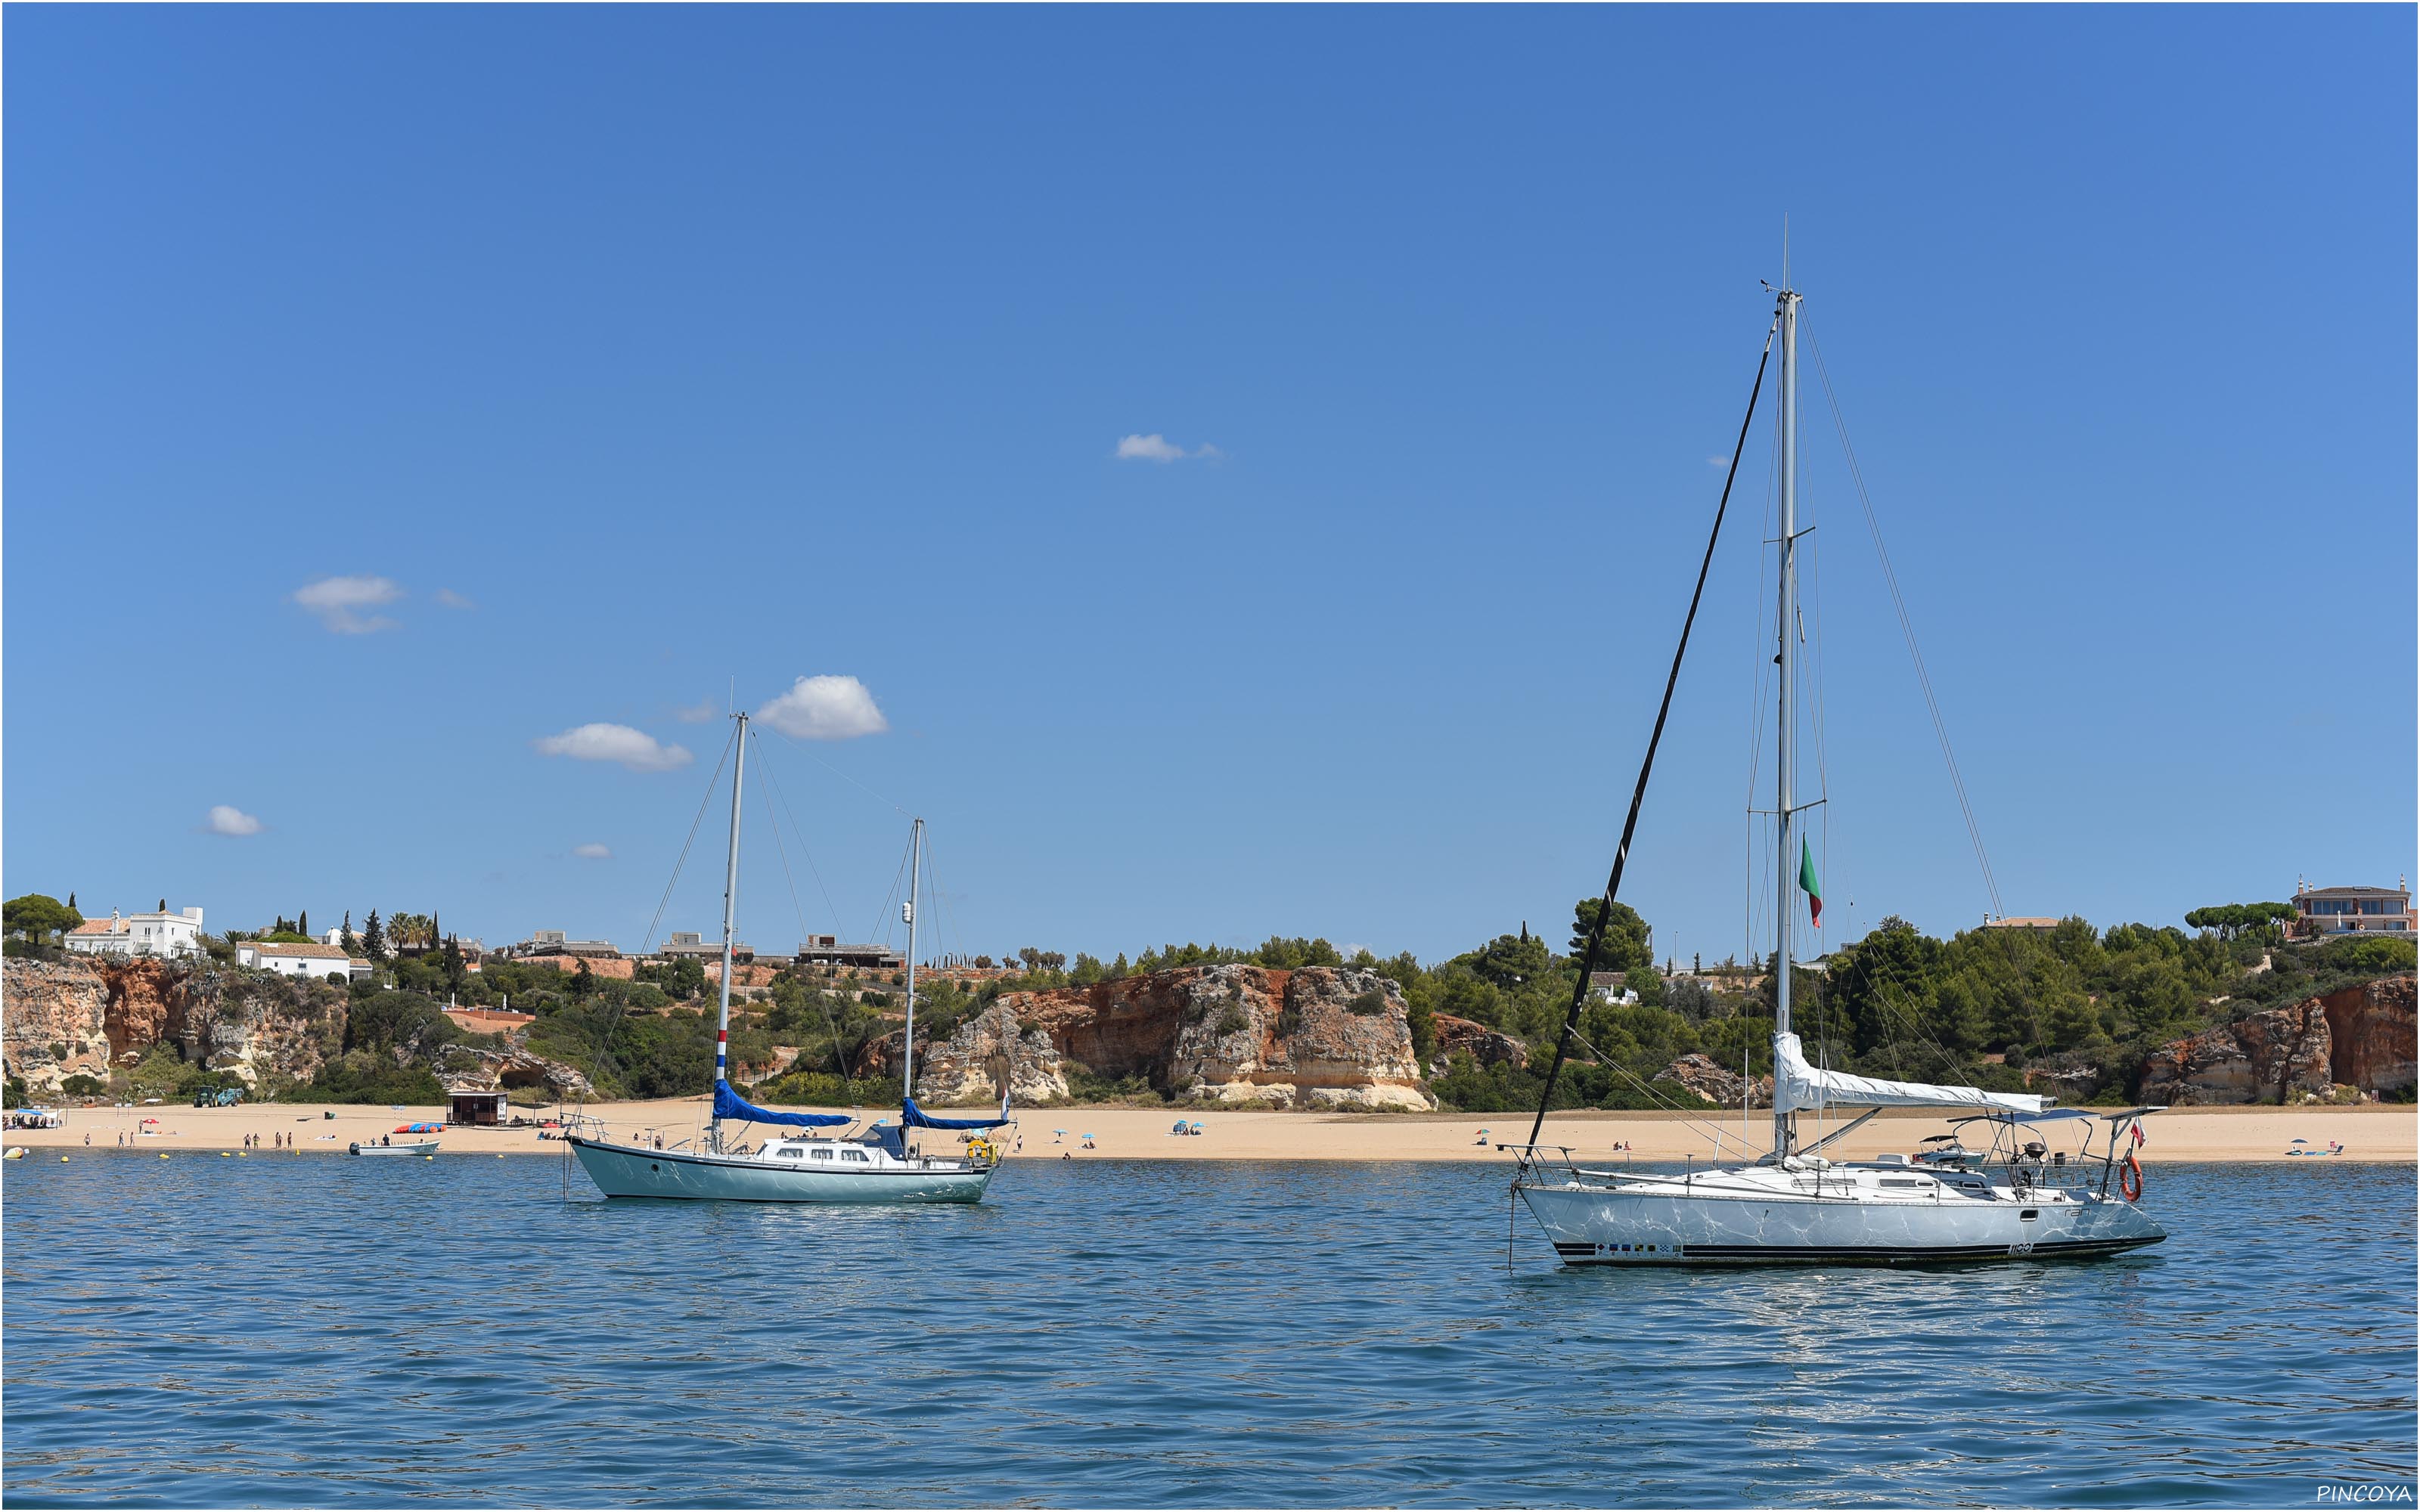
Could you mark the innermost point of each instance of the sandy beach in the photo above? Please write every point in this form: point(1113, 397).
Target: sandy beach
point(2370, 1133)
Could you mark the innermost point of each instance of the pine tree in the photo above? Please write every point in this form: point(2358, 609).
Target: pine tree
point(373, 940)
point(71, 898)
point(302, 922)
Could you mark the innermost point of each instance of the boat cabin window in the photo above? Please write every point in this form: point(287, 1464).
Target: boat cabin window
point(823, 1154)
point(853, 1154)
point(1904, 1180)
point(791, 1154)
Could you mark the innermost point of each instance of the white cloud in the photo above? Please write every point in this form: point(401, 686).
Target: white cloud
point(824, 708)
point(337, 602)
point(634, 748)
point(1157, 448)
point(1718, 461)
point(592, 851)
point(697, 712)
point(226, 819)
point(454, 600)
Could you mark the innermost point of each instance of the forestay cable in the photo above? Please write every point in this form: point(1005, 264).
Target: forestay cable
point(1907, 627)
point(1638, 794)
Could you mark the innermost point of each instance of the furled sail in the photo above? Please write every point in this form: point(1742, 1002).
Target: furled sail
point(1798, 1085)
point(915, 1117)
point(730, 1105)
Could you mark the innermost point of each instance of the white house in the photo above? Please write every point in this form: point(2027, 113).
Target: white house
point(315, 961)
point(162, 933)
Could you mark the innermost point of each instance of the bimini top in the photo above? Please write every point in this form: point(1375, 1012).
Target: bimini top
point(2045, 1116)
point(913, 1117)
point(730, 1105)
point(1798, 1085)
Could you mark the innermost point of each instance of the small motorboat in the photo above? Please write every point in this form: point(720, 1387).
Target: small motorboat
point(1948, 1153)
point(400, 1147)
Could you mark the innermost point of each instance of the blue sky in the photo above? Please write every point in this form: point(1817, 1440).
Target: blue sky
point(655, 355)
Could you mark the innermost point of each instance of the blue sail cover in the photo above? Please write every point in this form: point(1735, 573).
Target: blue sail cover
point(915, 1117)
point(730, 1105)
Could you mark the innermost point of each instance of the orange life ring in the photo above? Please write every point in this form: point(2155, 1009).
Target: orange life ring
point(2130, 1179)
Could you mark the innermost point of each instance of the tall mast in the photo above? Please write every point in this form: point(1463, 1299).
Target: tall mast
point(1784, 873)
point(730, 897)
point(915, 866)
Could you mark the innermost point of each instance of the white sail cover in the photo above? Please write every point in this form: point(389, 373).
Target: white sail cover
point(1798, 1084)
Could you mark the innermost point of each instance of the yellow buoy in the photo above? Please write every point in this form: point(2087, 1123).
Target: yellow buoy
point(164, 1155)
point(63, 1159)
point(224, 1155)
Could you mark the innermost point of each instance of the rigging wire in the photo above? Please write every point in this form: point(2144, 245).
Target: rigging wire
point(804, 852)
point(1654, 738)
point(1704, 1130)
point(778, 849)
point(711, 783)
point(1907, 627)
point(843, 776)
point(884, 922)
point(1752, 869)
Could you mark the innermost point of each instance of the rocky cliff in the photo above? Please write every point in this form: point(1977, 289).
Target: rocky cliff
point(1319, 1037)
point(2362, 1038)
point(2373, 1040)
point(1485, 1045)
point(467, 1069)
point(53, 1021)
point(58, 1019)
point(1711, 1082)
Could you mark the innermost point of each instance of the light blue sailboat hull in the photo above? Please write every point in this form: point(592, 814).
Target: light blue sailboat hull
point(629, 1171)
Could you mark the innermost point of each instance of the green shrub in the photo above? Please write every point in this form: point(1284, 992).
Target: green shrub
point(1084, 1084)
point(822, 1090)
point(1233, 1020)
point(80, 1084)
point(1369, 1004)
point(2375, 953)
point(367, 1077)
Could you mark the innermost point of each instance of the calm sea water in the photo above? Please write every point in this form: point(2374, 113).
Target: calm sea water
point(303, 1330)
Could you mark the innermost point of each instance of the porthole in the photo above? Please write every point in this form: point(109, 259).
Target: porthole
point(653, 1167)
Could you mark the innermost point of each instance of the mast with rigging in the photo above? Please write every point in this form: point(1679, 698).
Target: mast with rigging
point(915, 866)
point(1783, 874)
point(730, 899)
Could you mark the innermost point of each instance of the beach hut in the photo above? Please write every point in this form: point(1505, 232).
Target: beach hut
point(474, 1107)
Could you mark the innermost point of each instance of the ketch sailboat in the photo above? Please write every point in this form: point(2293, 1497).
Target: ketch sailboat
point(877, 1165)
point(1794, 1206)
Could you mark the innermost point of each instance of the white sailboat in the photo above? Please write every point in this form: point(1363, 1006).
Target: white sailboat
point(877, 1165)
point(1794, 1205)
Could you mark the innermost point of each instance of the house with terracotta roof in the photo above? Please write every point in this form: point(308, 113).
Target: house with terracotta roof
point(2323, 911)
point(162, 933)
point(315, 961)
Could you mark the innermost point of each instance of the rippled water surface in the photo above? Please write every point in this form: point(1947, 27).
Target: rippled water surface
point(305, 1329)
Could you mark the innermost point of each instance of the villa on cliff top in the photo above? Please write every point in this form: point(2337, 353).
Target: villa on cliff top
point(161, 934)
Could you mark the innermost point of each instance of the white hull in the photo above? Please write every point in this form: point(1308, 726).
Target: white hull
point(420, 1146)
point(631, 1171)
point(1755, 1217)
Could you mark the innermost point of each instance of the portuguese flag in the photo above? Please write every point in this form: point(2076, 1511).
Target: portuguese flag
point(1808, 880)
